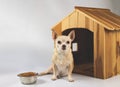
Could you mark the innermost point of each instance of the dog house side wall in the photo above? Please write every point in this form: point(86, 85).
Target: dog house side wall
point(112, 46)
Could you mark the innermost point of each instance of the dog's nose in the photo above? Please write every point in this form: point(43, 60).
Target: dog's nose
point(63, 47)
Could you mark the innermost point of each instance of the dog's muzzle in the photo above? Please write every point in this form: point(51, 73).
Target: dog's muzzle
point(63, 47)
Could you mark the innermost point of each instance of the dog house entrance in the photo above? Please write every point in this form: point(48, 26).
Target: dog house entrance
point(82, 50)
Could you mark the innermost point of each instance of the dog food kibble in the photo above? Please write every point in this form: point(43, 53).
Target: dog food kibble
point(27, 74)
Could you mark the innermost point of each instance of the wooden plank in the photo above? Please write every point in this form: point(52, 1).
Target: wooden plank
point(110, 53)
point(91, 8)
point(73, 20)
point(113, 16)
point(100, 16)
point(95, 47)
point(65, 24)
point(100, 60)
point(91, 25)
point(92, 16)
point(57, 29)
point(110, 19)
point(77, 14)
point(118, 52)
point(81, 20)
point(87, 20)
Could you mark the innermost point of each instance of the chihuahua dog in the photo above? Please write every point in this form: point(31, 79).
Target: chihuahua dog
point(62, 59)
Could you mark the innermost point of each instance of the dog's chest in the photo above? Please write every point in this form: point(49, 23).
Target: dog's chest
point(62, 63)
point(62, 60)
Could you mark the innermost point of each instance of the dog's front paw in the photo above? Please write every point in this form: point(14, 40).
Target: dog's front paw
point(54, 78)
point(70, 80)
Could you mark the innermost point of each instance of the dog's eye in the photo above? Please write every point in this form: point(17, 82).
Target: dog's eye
point(67, 42)
point(59, 42)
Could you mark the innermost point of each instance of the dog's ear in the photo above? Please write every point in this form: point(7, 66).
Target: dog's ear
point(72, 35)
point(54, 35)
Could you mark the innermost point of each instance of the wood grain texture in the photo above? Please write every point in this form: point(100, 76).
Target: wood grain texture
point(110, 53)
point(102, 16)
point(95, 47)
point(105, 26)
point(100, 60)
point(58, 29)
point(89, 24)
point(91, 8)
point(73, 20)
point(118, 52)
point(65, 23)
point(81, 20)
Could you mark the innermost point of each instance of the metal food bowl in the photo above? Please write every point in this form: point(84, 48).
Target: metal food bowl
point(28, 77)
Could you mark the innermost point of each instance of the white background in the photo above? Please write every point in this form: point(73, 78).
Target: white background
point(25, 30)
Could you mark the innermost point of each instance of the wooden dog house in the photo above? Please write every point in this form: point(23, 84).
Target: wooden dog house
point(98, 37)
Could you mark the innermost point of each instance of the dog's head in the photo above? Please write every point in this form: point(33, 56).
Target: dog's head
point(63, 43)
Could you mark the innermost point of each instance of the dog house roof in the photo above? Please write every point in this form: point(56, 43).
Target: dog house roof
point(102, 16)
